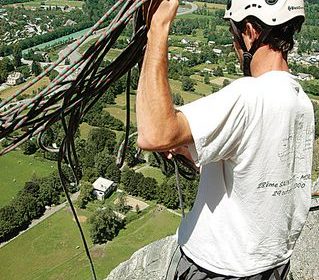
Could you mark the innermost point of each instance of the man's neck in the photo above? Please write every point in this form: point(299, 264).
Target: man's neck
point(265, 60)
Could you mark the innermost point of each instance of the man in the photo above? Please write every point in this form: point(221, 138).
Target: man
point(252, 140)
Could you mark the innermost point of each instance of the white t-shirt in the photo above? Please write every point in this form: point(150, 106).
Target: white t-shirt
point(253, 141)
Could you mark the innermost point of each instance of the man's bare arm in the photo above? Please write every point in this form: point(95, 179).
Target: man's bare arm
point(160, 126)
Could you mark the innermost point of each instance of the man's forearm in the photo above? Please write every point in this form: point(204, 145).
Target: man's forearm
point(156, 115)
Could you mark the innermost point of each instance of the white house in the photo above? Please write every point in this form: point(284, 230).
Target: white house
point(304, 77)
point(217, 51)
point(185, 41)
point(70, 22)
point(103, 187)
point(15, 78)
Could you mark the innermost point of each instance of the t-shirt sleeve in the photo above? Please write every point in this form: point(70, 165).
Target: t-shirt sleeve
point(217, 123)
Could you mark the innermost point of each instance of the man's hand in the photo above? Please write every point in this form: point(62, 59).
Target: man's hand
point(182, 150)
point(161, 13)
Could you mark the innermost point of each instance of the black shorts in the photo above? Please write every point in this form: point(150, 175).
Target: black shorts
point(183, 268)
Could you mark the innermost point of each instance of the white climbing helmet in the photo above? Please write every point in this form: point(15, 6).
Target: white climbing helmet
point(271, 12)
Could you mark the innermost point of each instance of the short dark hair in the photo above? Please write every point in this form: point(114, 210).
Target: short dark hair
point(281, 37)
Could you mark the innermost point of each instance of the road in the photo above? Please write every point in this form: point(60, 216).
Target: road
point(183, 11)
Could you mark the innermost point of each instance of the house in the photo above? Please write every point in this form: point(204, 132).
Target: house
point(304, 77)
point(217, 51)
point(15, 78)
point(103, 187)
point(185, 41)
point(69, 22)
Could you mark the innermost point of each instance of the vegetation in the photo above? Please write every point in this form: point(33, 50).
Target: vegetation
point(30, 203)
point(55, 247)
point(16, 169)
point(53, 19)
point(105, 225)
point(86, 194)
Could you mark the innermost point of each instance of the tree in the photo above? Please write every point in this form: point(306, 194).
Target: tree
point(86, 194)
point(178, 99)
point(109, 98)
point(24, 70)
point(167, 193)
point(9, 226)
point(131, 152)
point(106, 166)
point(218, 72)
point(127, 174)
point(95, 9)
point(104, 225)
point(188, 84)
point(206, 78)
point(101, 138)
point(6, 66)
point(49, 192)
point(231, 68)
point(90, 174)
point(102, 161)
point(29, 147)
point(113, 173)
point(134, 78)
point(53, 74)
point(148, 188)
point(226, 82)
point(128, 180)
point(67, 61)
point(36, 68)
point(28, 207)
point(17, 55)
point(121, 204)
point(136, 184)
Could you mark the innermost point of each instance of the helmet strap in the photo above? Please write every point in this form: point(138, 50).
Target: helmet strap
point(248, 54)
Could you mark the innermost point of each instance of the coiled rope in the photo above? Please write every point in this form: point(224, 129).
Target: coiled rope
point(68, 100)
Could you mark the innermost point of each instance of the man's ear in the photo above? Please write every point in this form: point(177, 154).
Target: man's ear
point(251, 33)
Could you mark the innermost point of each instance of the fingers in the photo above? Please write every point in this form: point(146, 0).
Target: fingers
point(160, 11)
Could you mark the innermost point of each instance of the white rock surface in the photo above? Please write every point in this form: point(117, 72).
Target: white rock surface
point(149, 263)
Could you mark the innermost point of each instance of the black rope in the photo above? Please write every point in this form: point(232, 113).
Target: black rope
point(179, 187)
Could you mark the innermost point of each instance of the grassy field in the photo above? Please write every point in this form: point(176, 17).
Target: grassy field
point(49, 250)
point(211, 6)
point(37, 4)
point(85, 130)
point(16, 169)
point(149, 171)
point(11, 90)
point(112, 54)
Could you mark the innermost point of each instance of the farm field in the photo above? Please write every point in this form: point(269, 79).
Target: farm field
point(210, 6)
point(16, 169)
point(50, 249)
point(13, 89)
point(77, 4)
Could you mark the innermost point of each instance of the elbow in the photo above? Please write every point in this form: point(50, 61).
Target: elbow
point(144, 144)
point(155, 143)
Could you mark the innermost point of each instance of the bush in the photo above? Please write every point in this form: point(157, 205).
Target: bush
point(29, 147)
